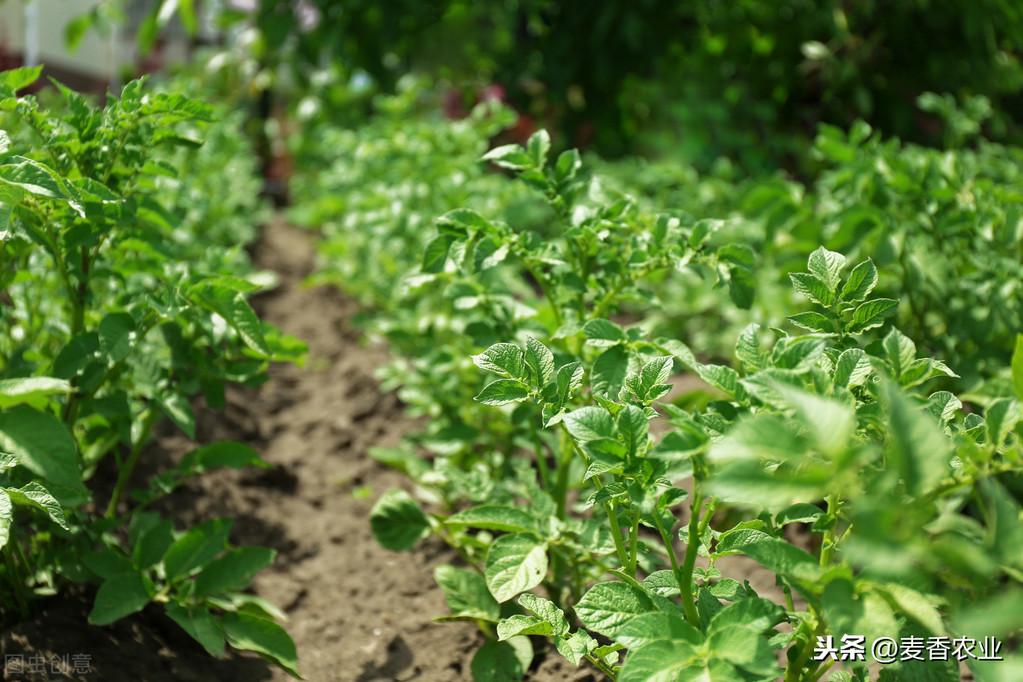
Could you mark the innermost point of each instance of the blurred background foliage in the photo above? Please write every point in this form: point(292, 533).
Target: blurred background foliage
point(750, 79)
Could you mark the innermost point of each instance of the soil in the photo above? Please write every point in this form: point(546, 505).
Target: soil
point(357, 612)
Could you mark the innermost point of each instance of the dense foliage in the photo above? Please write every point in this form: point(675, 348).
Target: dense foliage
point(827, 450)
point(791, 336)
point(124, 296)
point(695, 80)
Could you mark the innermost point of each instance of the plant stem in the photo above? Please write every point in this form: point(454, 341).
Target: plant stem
point(634, 542)
point(680, 577)
point(828, 539)
point(794, 673)
point(616, 530)
point(541, 462)
point(692, 546)
point(78, 301)
point(124, 475)
point(603, 667)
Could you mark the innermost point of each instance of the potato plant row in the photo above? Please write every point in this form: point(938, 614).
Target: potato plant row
point(593, 455)
point(124, 293)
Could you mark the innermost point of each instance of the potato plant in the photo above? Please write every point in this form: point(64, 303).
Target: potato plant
point(594, 510)
point(123, 299)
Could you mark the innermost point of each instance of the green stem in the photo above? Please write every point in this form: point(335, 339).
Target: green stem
point(603, 667)
point(78, 301)
point(634, 542)
point(616, 530)
point(794, 673)
point(822, 669)
point(689, 563)
point(680, 577)
point(828, 540)
point(541, 461)
point(124, 475)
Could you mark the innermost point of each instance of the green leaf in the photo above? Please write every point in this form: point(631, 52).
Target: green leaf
point(849, 612)
point(461, 222)
point(200, 625)
point(862, 280)
point(30, 390)
point(234, 571)
point(538, 146)
point(152, 542)
point(515, 564)
point(1001, 418)
point(466, 594)
point(827, 266)
point(196, 548)
point(634, 427)
point(747, 348)
point(43, 446)
point(510, 156)
point(649, 383)
point(608, 607)
point(119, 596)
point(235, 310)
point(221, 455)
point(397, 521)
point(179, 409)
point(812, 321)
point(609, 370)
point(722, 378)
point(19, 78)
point(436, 253)
point(657, 626)
point(589, 424)
point(852, 368)
point(1017, 367)
point(920, 607)
point(829, 422)
point(502, 392)
point(35, 495)
point(116, 331)
point(798, 354)
point(249, 632)
point(759, 614)
point(770, 552)
point(502, 661)
point(601, 332)
point(744, 647)
point(6, 518)
point(38, 179)
point(503, 359)
point(567, 165)
point(663, 583)
point(917, 449)
point(943, 405)
point(494, 517)
point(671, 661)
point(813, 288)
point(899, 351)
point(872, 313)
point(540, 360)
point(546, 610)
point(802, 512)
point(518, 625)
point(574, 647)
